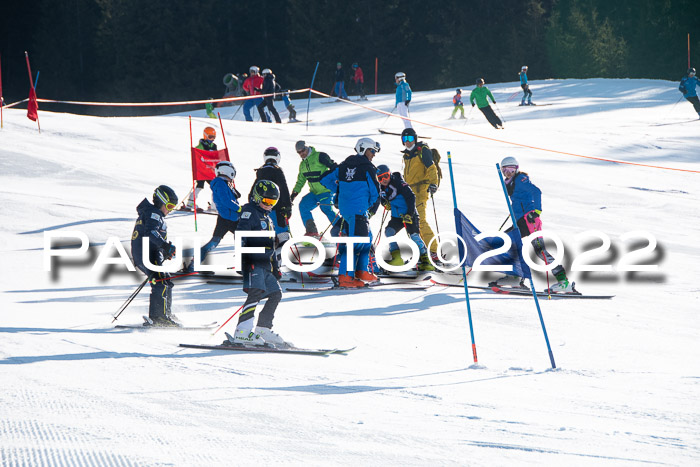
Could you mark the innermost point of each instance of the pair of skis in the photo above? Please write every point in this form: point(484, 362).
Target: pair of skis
point(518, 291)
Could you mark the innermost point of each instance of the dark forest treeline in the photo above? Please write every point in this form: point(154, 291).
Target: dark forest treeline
point(157, 50)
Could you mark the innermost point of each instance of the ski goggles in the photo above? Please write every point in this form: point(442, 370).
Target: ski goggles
point(509, 171)
point(268, 201)
point(408, 138)
point(170, 206)
point(384, 176)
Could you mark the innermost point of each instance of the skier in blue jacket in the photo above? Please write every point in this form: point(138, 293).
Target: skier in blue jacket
point(526, 200)
point(403, 96)
point(687, 87)
point(526, 88)
point(358, 199)
point(225, 198)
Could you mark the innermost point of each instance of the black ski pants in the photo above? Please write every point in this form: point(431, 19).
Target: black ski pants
point(161, 302)
point(695, 101)
point(269, 102)
point(491, 116)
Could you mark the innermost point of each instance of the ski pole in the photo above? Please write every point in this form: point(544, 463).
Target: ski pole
point(234, 314)
point(387, 117)
point(499, 112)
point(236, 112)
point(130, 299)
point(468, 115)
point(504, 222)
point(437, 227)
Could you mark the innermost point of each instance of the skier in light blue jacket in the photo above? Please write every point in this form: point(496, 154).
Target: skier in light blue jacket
point(526, 88)
point(403, 96)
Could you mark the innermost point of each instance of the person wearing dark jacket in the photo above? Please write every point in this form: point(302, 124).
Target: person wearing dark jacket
point(339, 87)
point(151, 226)
point(271, 171)
point(396, 195)
point(260, 280)
point(269, 87)
point(355, 182)
point(687, 87)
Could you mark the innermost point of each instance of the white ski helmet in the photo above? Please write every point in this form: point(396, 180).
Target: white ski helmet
point(254, 70)
point(400, 76)
point(524, 68)
point(364, 144)
point(226, 169)
point(266, 71)
point(510, 162)
point(272, 153)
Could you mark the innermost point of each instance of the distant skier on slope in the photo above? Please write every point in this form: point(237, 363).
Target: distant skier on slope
point(252, 85)
point(481, 94)
point(269, 86)
point(687, 87)
point(403, 96)
point(526, 88)
point(151, 225)
point(260, 270)
point(339, 87)
point(458, 104)
point(359, 79)
point(398, 197)
point(526, 200)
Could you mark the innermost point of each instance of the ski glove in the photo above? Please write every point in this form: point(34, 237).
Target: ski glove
point(407, 218)
point(385, 203)
point(407, 102)
point(294, 195)
point(170, 251)
point(532, 215)
point(432, 188)
point(286, 212)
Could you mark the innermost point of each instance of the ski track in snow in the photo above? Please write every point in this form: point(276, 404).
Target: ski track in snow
point(76, 391)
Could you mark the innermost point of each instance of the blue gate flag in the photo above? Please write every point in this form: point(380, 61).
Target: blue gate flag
point(467, 231)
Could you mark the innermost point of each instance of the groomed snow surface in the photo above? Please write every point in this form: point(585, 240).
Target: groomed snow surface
point(76, 391)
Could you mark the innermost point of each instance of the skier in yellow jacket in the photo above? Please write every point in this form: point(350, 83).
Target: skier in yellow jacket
point(420, 172)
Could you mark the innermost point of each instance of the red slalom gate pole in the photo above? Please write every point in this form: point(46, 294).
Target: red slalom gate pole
point(234, 314)
point(31, 83)
point(376, 73)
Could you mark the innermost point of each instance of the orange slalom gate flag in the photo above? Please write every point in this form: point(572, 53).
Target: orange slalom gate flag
point(204, 162)
point(32, 106)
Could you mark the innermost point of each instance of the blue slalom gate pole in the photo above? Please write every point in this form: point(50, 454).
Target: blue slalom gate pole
point(36, 81)
point(464, 274)
point(308, 103)
point(532, 284)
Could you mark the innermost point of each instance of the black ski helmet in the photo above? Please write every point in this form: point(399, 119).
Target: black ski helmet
point(458, 91)
point(691, 71)
point(265, 189)
point(480, 81)
point(164, 196)
point(409, 132)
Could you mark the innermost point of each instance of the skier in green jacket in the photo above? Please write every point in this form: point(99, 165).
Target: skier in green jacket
point(481, 94)
point(314, 165)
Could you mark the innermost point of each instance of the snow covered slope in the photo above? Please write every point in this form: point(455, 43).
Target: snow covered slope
point(75, 391)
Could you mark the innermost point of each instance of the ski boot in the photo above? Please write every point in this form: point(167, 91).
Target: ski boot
point(271, 337)
point(244, 336)
point(510, 282)
point(562, 287)
point(349, 282)
point(162, 322)
point(424, 263)
point(366, 276)
point(396, 259)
